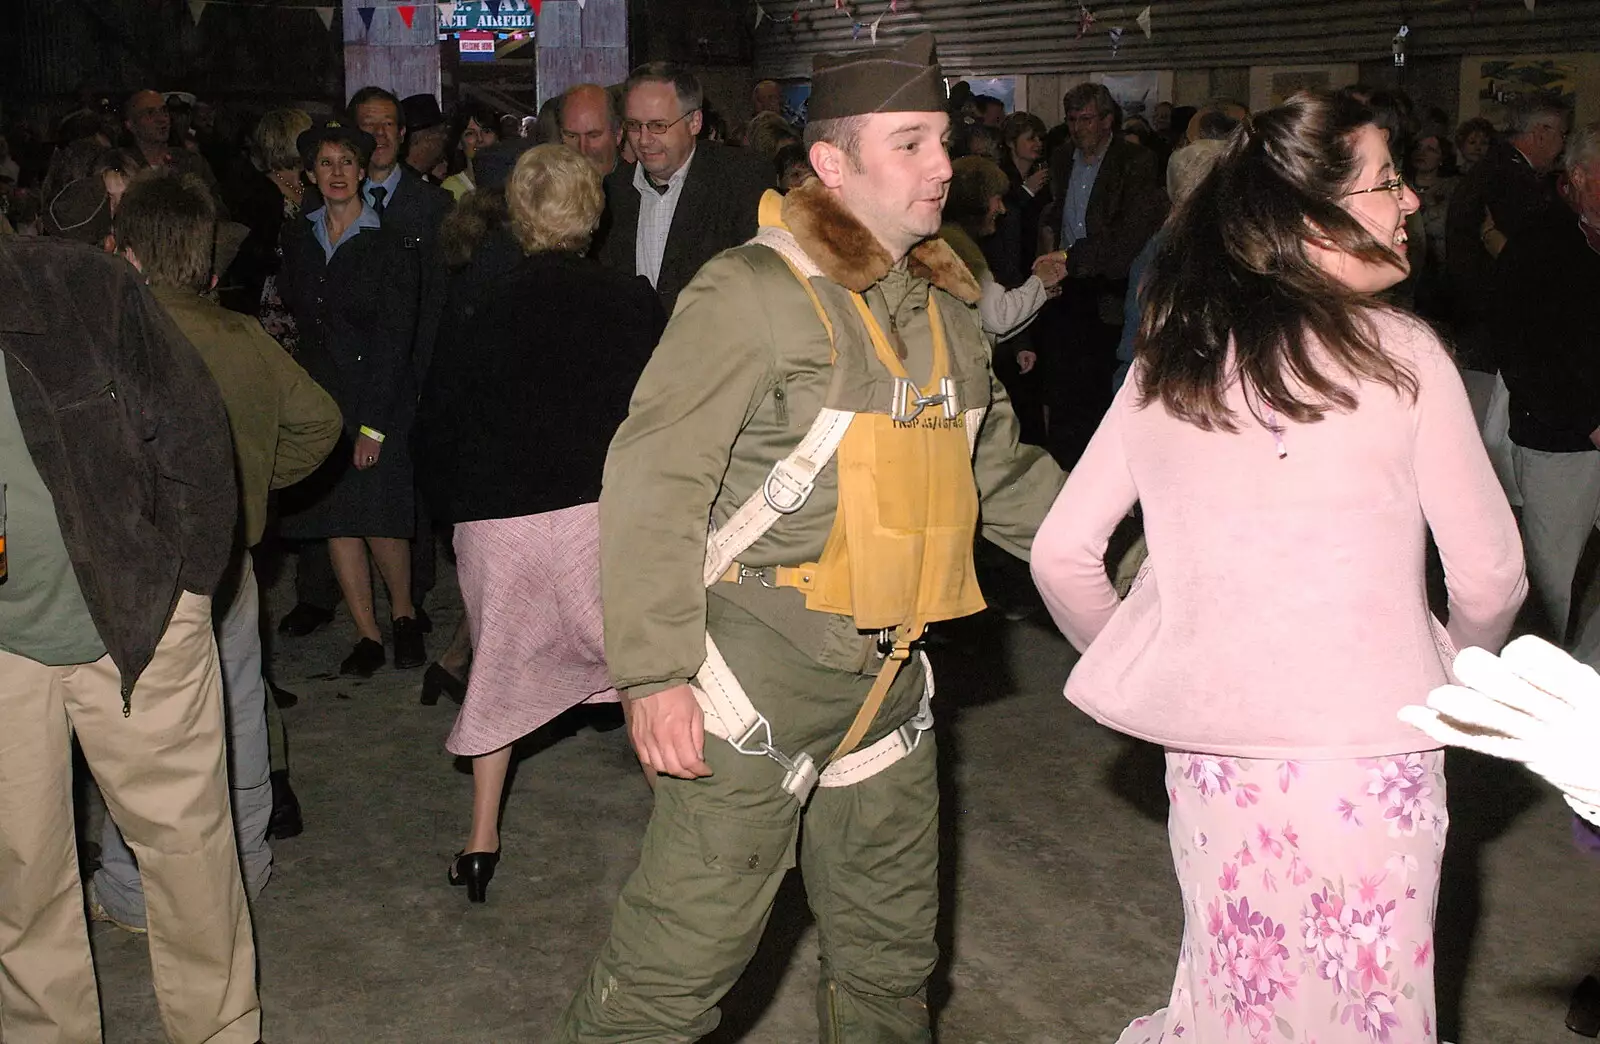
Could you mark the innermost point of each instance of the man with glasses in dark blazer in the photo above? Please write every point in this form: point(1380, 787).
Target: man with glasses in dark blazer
point(685, 200)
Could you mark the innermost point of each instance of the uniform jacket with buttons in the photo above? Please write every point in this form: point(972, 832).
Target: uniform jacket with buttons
point(736, 382)
point(128, 432)
point(357, 314)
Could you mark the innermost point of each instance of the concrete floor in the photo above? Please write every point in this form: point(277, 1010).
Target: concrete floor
point(1061, 920)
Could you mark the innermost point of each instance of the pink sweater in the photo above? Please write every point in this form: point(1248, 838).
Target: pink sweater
point(1282, 612)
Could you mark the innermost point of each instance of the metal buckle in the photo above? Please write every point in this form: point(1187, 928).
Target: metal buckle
point(746, 573)
point(786, 482)
point(799, 773)
point(908, 402)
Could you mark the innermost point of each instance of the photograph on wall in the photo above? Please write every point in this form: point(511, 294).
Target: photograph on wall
point(1502, 82)
point(796, 99)
point(1136, 92)
point(1271, 86)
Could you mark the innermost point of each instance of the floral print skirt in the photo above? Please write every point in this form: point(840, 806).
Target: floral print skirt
point(1308, 893)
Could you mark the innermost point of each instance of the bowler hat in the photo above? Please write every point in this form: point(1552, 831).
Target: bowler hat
point(312, 138)
point(421, 112)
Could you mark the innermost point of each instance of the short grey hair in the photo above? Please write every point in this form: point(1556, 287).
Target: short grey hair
point(843, 133)
point(1528, 113)
point(690, 95)
point(1583, 148)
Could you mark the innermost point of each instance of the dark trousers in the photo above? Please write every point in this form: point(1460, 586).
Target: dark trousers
point(1078, 354)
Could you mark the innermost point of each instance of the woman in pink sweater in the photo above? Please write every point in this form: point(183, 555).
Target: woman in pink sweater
point(1292, 441)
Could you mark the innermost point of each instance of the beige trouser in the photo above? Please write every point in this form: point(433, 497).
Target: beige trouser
point(164, 776)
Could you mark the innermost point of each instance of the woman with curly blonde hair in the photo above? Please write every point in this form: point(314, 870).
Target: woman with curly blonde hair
point(512, 435)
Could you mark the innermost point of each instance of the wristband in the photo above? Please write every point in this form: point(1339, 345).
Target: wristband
point(375, 436)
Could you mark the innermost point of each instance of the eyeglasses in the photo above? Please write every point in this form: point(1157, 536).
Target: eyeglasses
point(656, 127)
point(1396, 184)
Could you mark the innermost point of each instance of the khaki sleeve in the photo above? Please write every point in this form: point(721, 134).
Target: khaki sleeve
point(308, 419)
point(713, 367)
point(1017, 483)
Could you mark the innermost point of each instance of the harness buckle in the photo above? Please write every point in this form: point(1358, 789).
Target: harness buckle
point(784, 491)
point(800, 773)
point(747, 573)
point(908, 402)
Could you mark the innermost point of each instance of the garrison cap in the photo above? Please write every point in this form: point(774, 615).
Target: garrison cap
point(903, 78)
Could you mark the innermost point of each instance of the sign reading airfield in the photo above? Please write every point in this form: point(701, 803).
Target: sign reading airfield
point(512, 16)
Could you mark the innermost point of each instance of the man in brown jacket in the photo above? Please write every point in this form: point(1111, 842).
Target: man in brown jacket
point(283, 426)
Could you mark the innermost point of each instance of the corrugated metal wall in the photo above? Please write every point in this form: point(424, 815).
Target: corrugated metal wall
point(1004, 37)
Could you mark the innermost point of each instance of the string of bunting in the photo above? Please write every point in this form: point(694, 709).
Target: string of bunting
point(407, 12)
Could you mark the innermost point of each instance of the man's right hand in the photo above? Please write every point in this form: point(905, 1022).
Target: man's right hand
point(669, 733)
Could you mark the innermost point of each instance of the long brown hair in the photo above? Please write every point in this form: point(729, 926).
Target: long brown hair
point(1234, 271)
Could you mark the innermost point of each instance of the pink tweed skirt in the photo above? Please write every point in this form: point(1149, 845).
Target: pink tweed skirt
point(531, 587)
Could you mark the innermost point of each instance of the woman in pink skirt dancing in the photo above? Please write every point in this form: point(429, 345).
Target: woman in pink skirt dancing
point(538, 352)
point(1292, 441)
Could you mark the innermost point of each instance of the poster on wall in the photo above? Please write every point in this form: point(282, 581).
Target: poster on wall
point(1002, 87)
point(1490, 84)
point(796, 99)
point(1271, 86)
point(1136, 92)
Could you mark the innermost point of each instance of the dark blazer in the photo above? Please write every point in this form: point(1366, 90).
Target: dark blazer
point(127, 429)
point(717, 210)
point(1126, 207)
point(1505, 184)
point(414, 215)
point(1547, 331)
point(357, 315)
point(515, 417)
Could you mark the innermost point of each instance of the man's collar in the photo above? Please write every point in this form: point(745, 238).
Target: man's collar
point(388, 184)
point(643, 181)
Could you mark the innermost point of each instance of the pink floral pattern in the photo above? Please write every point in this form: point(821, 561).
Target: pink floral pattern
point(1308, 891)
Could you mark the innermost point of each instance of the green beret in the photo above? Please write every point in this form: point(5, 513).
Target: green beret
point(903, 78)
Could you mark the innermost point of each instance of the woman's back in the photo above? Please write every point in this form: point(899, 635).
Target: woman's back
point(1283, 610)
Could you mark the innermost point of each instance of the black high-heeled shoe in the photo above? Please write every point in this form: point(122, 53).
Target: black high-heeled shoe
point(474, 870)
point(439, 679)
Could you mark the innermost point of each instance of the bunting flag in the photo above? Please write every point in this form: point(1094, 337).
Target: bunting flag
point(761, 14)
point(1529, 5)
point(447, 11)
point(534, 6)
point(794, 17)
point(1144, 22)
point(1116, 39)
point(494, 8)
point(875, 22)
point(581, 3)
point(1085, 21)
point(855, 30)
point(326, 14)
point(894, 6)
point(196, 9)
point(366, 16)
point(407, 13)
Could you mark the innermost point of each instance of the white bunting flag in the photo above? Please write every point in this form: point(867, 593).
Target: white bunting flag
point(446, 12)
point(875, 22)
point(326, 14)
point(761, 14)
point(196, 9)
point(1144, 22)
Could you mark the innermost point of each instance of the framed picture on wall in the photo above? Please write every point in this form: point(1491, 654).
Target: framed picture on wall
point(1491, 85)
point(796, 99)
point(1272, 85)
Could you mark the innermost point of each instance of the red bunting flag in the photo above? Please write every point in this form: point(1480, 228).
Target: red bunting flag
point(534, 6)
point(407, 12)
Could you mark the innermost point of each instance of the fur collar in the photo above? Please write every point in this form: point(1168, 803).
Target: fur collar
point(849, 255)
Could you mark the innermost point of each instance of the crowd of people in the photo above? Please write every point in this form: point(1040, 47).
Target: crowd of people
point(1291, 348)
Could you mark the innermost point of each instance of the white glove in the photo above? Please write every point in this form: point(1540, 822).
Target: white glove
point(1534, 704)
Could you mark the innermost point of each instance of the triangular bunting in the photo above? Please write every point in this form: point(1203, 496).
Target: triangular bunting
point(1529, 5)
point(196, 9)
point(1116, 39)
point(875, 22)
point(581, 3)
point(494, 8)
point(761, 14)
point(326, 14)
point(407, 13)
point(1144, 22)
point(534, 6)
point(446, 12)
point(366, 16)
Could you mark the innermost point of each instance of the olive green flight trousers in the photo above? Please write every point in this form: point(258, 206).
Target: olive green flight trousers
point(689, 918)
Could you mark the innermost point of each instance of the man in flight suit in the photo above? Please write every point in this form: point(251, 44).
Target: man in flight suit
point(738, 379)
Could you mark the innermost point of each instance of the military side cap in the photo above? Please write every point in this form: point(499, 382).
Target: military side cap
point(904, 78)
point(81, 211)
point(312, 138)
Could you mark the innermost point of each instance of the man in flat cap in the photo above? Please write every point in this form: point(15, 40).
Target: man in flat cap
point(823, 396)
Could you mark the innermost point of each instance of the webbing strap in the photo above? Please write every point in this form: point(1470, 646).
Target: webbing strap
point(901, 652)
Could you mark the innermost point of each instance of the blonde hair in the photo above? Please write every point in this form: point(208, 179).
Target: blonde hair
point(273, 144)
point(554, 198)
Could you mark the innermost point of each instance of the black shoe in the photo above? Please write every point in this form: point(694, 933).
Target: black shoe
point(409, 650)
point(438, 679)
point(1583, 1017)
point(424, 624)
point(303, 619)
point(285, 821)
point(365, 658)
point(474, 870)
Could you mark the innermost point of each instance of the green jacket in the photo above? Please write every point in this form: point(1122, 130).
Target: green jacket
point(284, 425)
point(734, 385)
